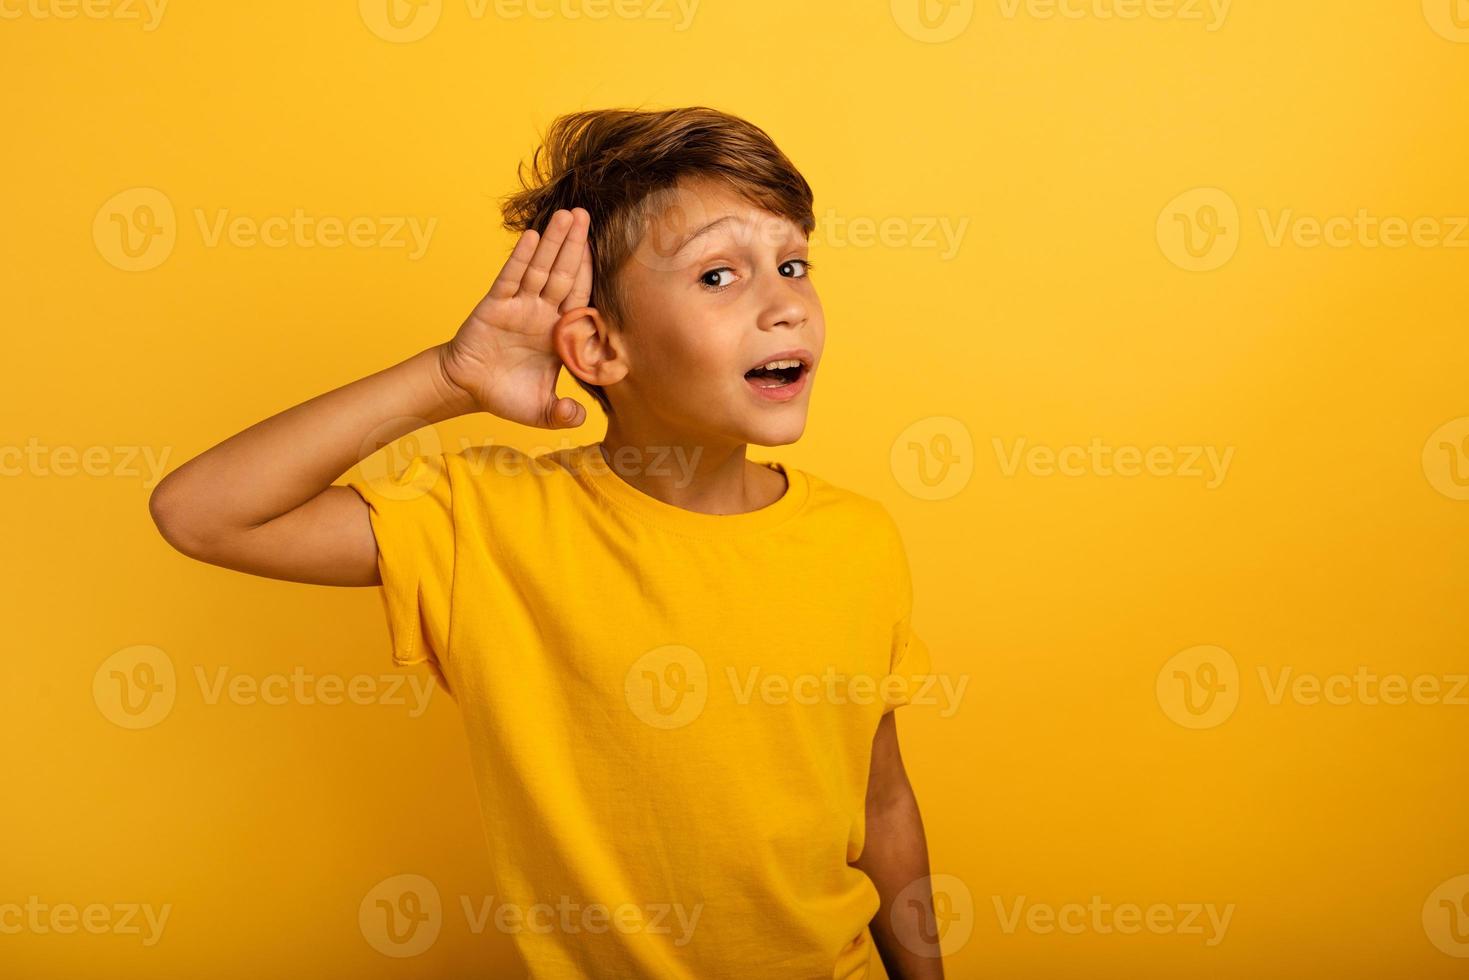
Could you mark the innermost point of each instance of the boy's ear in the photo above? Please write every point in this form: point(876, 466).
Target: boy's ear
point(589, 347)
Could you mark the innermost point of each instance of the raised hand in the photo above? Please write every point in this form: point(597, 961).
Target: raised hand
point(502, 356)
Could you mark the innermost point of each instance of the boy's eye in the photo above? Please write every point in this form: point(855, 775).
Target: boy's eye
point(715, 274)
point(714, 279)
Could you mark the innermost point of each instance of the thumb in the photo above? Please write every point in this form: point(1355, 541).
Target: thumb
point(565, 413)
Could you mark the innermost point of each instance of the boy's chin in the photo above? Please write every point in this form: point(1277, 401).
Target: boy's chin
point(777, 432)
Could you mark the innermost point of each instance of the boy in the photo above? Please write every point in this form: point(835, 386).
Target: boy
point(676, 666)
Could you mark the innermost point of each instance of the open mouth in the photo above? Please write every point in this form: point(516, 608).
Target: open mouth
point(776, 374)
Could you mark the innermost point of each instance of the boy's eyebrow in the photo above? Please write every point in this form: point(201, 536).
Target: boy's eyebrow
point(703, 231)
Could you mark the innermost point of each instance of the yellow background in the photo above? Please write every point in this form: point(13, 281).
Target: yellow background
point(1335, 541)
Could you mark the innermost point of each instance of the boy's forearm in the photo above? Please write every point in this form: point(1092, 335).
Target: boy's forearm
point(895, 856)
point(283, 461)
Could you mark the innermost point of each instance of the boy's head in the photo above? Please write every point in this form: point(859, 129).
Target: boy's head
point(699, 228)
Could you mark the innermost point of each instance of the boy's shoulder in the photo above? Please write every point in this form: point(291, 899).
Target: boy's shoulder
point(868, 514)
point(497, 469)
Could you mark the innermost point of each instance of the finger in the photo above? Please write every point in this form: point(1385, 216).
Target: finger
point(564, 413)
point(539, 269)
point(568, 260)
point(508, 281)
point(581, 290)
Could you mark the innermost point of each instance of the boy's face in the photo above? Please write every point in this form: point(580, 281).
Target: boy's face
point(718, 287)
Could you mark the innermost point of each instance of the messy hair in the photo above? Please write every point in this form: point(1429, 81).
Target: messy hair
point(619, 164)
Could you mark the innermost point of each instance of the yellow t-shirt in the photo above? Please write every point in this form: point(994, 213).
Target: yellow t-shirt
point(670, 714)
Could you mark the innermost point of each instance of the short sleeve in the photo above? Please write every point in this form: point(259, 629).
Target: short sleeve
point(909, 657)
point(412, 516)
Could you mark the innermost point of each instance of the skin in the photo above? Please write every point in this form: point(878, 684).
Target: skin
point(715, 287)
point(262, 501)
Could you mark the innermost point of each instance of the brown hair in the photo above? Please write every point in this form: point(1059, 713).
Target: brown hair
point(617, 163)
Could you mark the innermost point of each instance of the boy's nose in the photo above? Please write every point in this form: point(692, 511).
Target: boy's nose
point(783, 307)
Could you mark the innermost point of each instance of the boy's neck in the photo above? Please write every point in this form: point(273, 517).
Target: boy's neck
point(698, 476)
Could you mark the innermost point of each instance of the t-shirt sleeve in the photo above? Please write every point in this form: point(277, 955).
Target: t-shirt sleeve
point(909, 658)
point(412, 516)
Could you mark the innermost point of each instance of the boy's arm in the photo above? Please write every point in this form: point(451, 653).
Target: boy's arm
point(263, 501)
point(894, 856)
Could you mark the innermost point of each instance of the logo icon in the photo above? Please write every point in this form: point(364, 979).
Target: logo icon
point(953, 916)
point(668, 686)
point(933, 458)
point(1199, 687)
point(1446, 459)
point(401, 916)
point(1448, 18)
point(1199, 230)
point(1446, 916)
point(135, 687)
point(933, 21)
point(401, 21)
point(407, 468)
point(135, 230)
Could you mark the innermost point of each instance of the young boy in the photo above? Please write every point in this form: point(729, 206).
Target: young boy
point(676, 666)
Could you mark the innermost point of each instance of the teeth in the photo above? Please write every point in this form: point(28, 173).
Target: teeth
point(777, 365)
